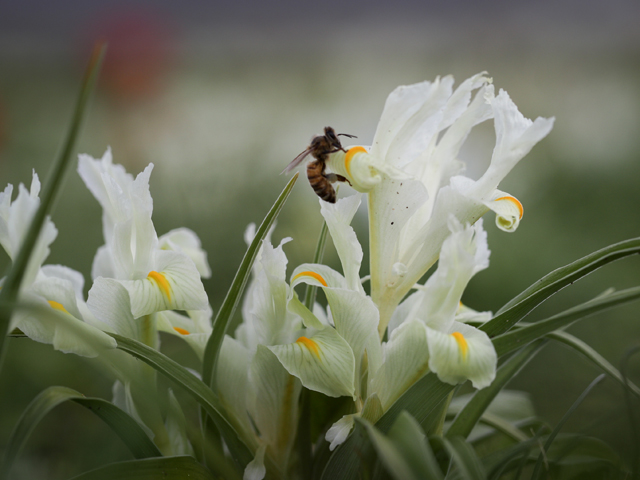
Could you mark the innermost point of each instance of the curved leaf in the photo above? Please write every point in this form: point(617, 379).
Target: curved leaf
point(120, 422)
point(471, 413)
point(525, 302)
point(166, 468)
point(225, 314)
point(195, 387)
point(464, 457)
point(515, 339)
point(11, 286)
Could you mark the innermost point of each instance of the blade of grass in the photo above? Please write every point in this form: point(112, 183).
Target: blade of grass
point(464, 457)
point(238, 285)
point(120, 422)
point(52, 186)
point(538, 468)
point(521, 305)
point(165, 468)
point(196, 388)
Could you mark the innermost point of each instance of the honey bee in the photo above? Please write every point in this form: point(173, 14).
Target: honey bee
point(320, 148)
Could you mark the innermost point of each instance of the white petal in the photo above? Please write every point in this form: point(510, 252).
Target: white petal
point(175, 286)
point(338, 217)
point(110, 303)
point(318, 275)
point(508, 210)
point(339, 431)
point(462, 353)
point(323, 362)
point(232, 382)
point(176, 426)
point(186, 241)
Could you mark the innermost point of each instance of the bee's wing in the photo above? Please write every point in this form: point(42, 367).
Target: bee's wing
point(296, 161)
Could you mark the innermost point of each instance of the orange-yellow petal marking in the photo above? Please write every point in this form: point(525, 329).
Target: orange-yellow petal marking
point(57, 306)
point(349, 156)
point(462, 343)
point(310, 344)
point(181, 331)
point(311, 274)
point(162, 282)
point(515, 201)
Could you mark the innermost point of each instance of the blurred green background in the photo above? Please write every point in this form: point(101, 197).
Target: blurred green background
point(221, 97)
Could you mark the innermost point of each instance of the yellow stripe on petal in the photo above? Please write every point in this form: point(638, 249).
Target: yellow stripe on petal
point(515, 201)
point(349, 156)
point(162, 282)
point(462, 343)
point(311, 274)
point(57, 306)
point(181, 331)
point(310, 344)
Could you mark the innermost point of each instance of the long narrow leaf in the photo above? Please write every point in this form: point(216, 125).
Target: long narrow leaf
point(471, 413)
point(120, 422)
point(525, 302)
point(11, 285)
point(596, 358)
point(225, 314)
point(515, 339)
point(563, 420)
point(195, 387)
point(464, 457)
point(166, 468)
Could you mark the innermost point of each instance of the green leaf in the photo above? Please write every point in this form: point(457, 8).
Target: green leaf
point(166, 468)
point(471, 413)
point(538, 468)
point(515, 339)
point(195, 387)
point(464, 457)
point(596, 358)
point(525, 302)
point(120, 422)
point(11, 285)
point(420, 401)
point(225, 314)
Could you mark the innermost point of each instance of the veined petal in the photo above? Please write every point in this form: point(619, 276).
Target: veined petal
point(339, 431)
point(274, 403)
point(193, 329)
point(338, 217)
point(310, 320)
point(110, 303)
point(176, 286)
point(323, 362)
point(462, 353)
point(49, 322)
point(186, 241)
point(405, 361)
point(467, 315)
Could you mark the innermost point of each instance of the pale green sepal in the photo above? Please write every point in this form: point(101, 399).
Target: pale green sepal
point(185, 290)
point(473, 358)
point(232, 382)
point(338, 217)
point(339, 431)
point(323, 362)
point(176, 426)
point(274, 403)
point(296, 307)
point(405, 360)
point(256, 470)
point(372, 410)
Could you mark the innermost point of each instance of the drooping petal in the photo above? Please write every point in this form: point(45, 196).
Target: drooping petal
point(318, 275)
point(193, 329)
point(508, 210)
point(110, 303)
point(176, 286)
point(462, 353)
point(323, 362)
point(255, 469)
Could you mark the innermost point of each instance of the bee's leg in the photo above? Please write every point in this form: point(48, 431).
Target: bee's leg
point(334, 177)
